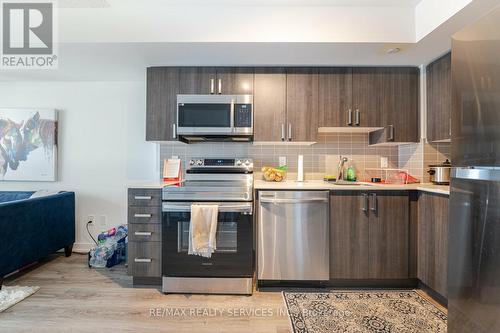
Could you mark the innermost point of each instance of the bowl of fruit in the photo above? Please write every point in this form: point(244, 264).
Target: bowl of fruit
point(272, 174)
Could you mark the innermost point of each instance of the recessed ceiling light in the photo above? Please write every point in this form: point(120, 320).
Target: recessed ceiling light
point(393, 50)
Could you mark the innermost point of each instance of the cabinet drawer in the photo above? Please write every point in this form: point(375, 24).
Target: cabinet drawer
point(144, 232)
point(144, 259)
point(144, 214)
point(144, 197)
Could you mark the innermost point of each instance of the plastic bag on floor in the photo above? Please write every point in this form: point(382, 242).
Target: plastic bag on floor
point(111, 248)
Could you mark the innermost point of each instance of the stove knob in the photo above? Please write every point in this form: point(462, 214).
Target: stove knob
point(238, 163)
point(199, 162)
point(247, 162)
point(192, 162)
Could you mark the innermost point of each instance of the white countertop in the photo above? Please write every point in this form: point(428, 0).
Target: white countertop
point(260, 184)
point(153, 185)
point(322, 185)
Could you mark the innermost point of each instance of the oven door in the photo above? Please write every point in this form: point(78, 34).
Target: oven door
point(234, 254)
point(205, 114)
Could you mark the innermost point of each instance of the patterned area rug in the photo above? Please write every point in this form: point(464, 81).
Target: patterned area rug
point(380, 311)
point(10, 296)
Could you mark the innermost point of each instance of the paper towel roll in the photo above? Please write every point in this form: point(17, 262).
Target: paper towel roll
point(300, 168)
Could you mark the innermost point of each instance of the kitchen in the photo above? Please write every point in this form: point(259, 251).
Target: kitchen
point(278, 166)
point(340, 173)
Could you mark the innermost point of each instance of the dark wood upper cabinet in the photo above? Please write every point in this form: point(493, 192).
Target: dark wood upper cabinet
point(389, 235)
point(269, 104)
point(216, 80)
point(161, 102)
point(197, 80)
point(367, 83)
point(400, 114)
point(432, 237)
point(335, 96)
point(438, 75)
point(302, 104)
point(235, 80)
point(369, 235)
point(348, 235)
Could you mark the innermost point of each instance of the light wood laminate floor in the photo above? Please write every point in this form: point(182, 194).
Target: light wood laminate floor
point(75, 298)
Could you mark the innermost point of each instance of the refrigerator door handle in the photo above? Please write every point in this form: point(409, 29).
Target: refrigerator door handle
point(477, 173)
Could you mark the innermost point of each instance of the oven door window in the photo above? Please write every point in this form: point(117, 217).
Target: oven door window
point(226, 237)
point(204, 115)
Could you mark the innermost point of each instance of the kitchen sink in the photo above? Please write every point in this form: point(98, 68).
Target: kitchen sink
point(345, 182)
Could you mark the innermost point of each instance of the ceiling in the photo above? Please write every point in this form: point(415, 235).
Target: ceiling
point(113, 40)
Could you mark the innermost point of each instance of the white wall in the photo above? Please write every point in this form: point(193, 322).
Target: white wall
point(102, 143)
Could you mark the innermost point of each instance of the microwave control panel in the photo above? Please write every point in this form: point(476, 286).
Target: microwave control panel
point(243, 115)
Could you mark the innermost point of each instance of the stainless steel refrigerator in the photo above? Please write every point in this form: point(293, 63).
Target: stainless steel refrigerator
point(474, 225)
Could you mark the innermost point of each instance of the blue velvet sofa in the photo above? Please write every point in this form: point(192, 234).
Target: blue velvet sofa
point(33, 228)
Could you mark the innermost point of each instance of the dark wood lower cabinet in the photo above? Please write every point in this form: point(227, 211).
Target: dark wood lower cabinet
point(389, 235)
point(369, 235)
point(348, 236)
point(433, 241)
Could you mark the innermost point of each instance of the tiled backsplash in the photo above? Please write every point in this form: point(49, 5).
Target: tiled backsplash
point(319, 159)
point(417, 157)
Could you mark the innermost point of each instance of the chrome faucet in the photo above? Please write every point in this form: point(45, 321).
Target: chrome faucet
point(342, 161)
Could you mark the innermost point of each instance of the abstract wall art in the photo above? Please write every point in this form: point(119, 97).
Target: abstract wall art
point(28, 145)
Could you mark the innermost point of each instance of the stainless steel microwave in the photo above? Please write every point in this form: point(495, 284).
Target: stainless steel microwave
point(215, 117)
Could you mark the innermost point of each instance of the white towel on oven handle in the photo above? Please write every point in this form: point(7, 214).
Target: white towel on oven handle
point(203, 230)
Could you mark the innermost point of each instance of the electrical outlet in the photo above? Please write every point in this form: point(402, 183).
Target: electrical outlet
point(282, 161)
point(102, 220)
point(384, 162)
point(91, 219)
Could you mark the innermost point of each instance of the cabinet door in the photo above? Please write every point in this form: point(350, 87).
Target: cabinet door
point(335, 96)
point(348, 235)
point(161, 102)
point(389, 235)
point(197, 80)
point(439, 99)
point(399, 109)
point(433, 241)
point(269, 104)
point(302, 104)
point(235, 80)
point(367, 99)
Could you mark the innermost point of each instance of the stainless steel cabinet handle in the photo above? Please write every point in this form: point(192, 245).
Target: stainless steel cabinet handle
point(291, 201)
point(219, 86)
point(143, 197)
point(289, 131)
point(356, 117)
point(349, 117)
point(174, 131)
point(143, 215)
point(142, 260)
point(365, 202)
point(391, 133)
point(212, 86)
point(374, 205)
point(143, 233)
point(450, 128)
point(282, 132)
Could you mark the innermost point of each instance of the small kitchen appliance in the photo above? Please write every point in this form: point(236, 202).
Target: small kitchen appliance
point(440, 173)
point(214, 118)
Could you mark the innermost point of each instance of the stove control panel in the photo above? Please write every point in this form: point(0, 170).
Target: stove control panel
point(221, 162)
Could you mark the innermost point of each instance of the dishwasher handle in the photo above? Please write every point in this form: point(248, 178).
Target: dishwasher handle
point(292, 201)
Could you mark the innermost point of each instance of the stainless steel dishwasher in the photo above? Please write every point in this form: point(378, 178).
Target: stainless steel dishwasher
point(293, 236)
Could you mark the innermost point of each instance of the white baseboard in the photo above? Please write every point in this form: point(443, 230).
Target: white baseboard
point(82, 247)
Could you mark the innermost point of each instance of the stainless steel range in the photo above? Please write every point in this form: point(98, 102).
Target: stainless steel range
point(228, 183)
